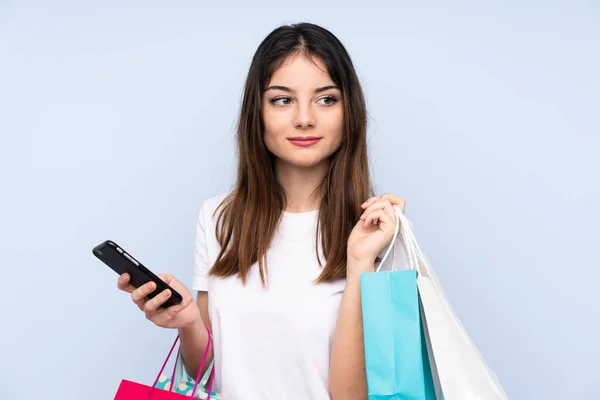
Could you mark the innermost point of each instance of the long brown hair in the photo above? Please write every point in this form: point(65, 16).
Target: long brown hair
point(249, 216)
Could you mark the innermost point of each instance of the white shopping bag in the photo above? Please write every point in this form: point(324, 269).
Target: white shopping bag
point(458, 368)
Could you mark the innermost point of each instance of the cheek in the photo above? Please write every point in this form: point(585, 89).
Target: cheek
point(272, 122)
point(269, 140)
point(273, 131)
point(337, 128)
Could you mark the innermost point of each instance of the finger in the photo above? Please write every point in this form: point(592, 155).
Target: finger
point(382, 216)
point(395, 200)
point(167, 278)
point(153, 304)
point(389, 210)
point(370, 201)
point(139, 295)
point(399, 201)
point(378, 205)
point(174, 310)
point(129, 289)
point(123, 283)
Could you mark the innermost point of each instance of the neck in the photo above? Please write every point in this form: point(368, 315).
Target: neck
point(300, 184)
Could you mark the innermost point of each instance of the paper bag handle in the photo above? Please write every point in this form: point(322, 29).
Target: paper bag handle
point(202, 363)
point(416, 258)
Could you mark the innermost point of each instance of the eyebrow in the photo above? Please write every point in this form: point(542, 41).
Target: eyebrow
point(287, 89)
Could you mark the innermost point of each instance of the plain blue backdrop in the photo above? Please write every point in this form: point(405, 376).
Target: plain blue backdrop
point(117, 120)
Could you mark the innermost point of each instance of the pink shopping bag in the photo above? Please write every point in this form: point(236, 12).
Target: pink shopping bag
point(129, 390)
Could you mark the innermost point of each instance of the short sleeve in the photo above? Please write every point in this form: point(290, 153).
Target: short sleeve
point(201, 267)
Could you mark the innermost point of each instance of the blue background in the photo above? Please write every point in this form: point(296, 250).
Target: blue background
point(117, 120)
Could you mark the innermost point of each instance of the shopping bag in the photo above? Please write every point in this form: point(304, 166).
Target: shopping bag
point(186, 388)
point(395, 350)
point(461, 372)
point(396, 358)
point(163, 388)
point(185, 385)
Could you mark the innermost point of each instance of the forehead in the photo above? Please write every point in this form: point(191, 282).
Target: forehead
point(299, 70)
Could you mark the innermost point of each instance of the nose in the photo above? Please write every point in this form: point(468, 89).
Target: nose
point(305, 117)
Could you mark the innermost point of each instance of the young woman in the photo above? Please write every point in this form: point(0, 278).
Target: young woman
point(278, 260)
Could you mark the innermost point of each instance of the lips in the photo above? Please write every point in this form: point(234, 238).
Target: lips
point(304, 141)
point(301, 138)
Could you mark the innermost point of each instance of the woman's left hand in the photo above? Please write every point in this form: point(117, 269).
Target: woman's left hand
point(367, 240)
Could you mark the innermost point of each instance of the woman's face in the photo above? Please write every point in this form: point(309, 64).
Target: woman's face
point(302, 113)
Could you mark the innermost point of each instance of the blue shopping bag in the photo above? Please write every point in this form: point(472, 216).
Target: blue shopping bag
point(396, 357)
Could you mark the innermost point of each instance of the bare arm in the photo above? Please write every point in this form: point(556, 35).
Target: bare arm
point(194, 339)
point(370, 235)
point(347, 376)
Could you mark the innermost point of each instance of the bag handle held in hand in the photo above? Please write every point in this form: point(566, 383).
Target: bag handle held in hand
point(203, 362)
point(416, 258)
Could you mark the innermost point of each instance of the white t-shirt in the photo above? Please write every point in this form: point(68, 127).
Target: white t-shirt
point(270, 343)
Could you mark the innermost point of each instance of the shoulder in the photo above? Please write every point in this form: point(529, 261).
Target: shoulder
point(207, 221)
point(210, 204)
point(207, 216)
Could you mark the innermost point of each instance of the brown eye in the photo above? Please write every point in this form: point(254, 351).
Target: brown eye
point(329, 100)
point(276, 99)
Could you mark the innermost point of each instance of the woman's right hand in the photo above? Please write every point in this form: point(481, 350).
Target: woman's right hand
point(178, 316)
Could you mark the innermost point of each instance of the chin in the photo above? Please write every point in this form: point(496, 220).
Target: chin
point(305, 162)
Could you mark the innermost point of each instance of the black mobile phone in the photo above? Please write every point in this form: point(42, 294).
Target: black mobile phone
point(120, 261)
